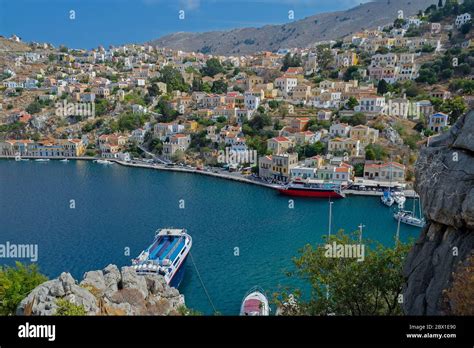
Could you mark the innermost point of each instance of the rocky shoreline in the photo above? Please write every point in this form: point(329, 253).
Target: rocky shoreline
point(106, 292)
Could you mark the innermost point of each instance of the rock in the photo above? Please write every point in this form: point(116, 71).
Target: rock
point(112, 278)
point(445, 182)
point(67, 281)
point(106, 292)
point(95, 280)
point(131, 280)
point(465, 136)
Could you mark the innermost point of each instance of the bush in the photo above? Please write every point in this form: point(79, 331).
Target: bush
point(16, 283)
point(66, 308)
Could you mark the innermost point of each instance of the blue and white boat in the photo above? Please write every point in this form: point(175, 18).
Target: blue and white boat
point(387, 199)
point(166, 255)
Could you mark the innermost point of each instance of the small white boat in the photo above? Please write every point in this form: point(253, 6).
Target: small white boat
point(17, 158)
point(42, 160)
point(399, 198)
point(65, 160)
point(407, 217)
point(103, 162)
point(255, 303)
point(387, 199)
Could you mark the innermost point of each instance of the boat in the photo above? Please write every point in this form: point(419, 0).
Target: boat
point(103, 162)
point(17, 158)
point(255, 303)
point(407, 217)
point(166, 255)
point(399, 197)
point(42, 160)
point(387, 199)
point(312, 188)
point(65, 160)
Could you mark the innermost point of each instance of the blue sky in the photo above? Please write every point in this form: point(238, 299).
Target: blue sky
point(114, 22)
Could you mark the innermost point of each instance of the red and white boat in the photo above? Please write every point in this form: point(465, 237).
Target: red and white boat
point(312, 188)
point(255, 303)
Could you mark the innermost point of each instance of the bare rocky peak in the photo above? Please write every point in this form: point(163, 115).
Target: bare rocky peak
point(301, 33)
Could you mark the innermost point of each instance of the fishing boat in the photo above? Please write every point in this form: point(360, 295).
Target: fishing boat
point(312, 188)
point(103, 162)
point(65, 160)
point(42, 160)
point(387, 199)
point(255, 303)
point(409, 217)
point(165, 256)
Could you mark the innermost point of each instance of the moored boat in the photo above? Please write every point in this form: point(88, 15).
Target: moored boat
point(312, 188)
point(165, 256)
point(103, 162)
point(65, 160)
point(42, 160)
point(255, 303)
point(387, 199)
point(399, 197)
point(408, 218)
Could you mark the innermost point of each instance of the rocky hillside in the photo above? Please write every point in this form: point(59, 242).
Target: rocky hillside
point(107, 292)
point(439, 267)
point(299, 33)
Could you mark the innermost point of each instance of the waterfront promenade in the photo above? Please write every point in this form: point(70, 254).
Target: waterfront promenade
point(218, 173)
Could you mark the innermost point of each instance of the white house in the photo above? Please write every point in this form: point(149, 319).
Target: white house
point(286, 84)
point(339, 130)
point(437, 122)
point(251, 101)
point(462, 19)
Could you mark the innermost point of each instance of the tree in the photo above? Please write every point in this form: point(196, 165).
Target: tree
point(324, 56)
point(375, 152)
point(382, 87)
point(33, 108)
point(16, 283)
point(345, 286)
point(212, 68)
point(399, 22)
point(352, 102)
point(352, 73)
point(173, 79)
point(440, 3)
point(259, 121)
point(455, 107)
point(291, 60)
point(219, 87)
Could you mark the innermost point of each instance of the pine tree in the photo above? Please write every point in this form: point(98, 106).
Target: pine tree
point(440, 3)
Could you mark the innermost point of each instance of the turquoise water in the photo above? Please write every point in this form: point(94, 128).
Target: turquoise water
point(119, 207)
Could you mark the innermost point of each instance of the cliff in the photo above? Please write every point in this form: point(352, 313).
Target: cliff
point(106, 292)
point(439, 267)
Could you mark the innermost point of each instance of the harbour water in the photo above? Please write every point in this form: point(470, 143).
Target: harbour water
point(84, 215)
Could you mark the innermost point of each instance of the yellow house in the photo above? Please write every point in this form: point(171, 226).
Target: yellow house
point(365, 134)
point(346, 145)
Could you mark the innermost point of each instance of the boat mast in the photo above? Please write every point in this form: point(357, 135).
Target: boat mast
point(330, 217)
point(360, 233)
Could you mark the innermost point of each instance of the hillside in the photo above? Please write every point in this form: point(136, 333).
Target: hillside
point(299, 33)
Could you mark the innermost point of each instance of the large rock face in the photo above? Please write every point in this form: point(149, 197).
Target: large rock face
point(106, 292)
point(445, 183)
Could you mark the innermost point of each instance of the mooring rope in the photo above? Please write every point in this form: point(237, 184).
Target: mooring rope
point(202, 283)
